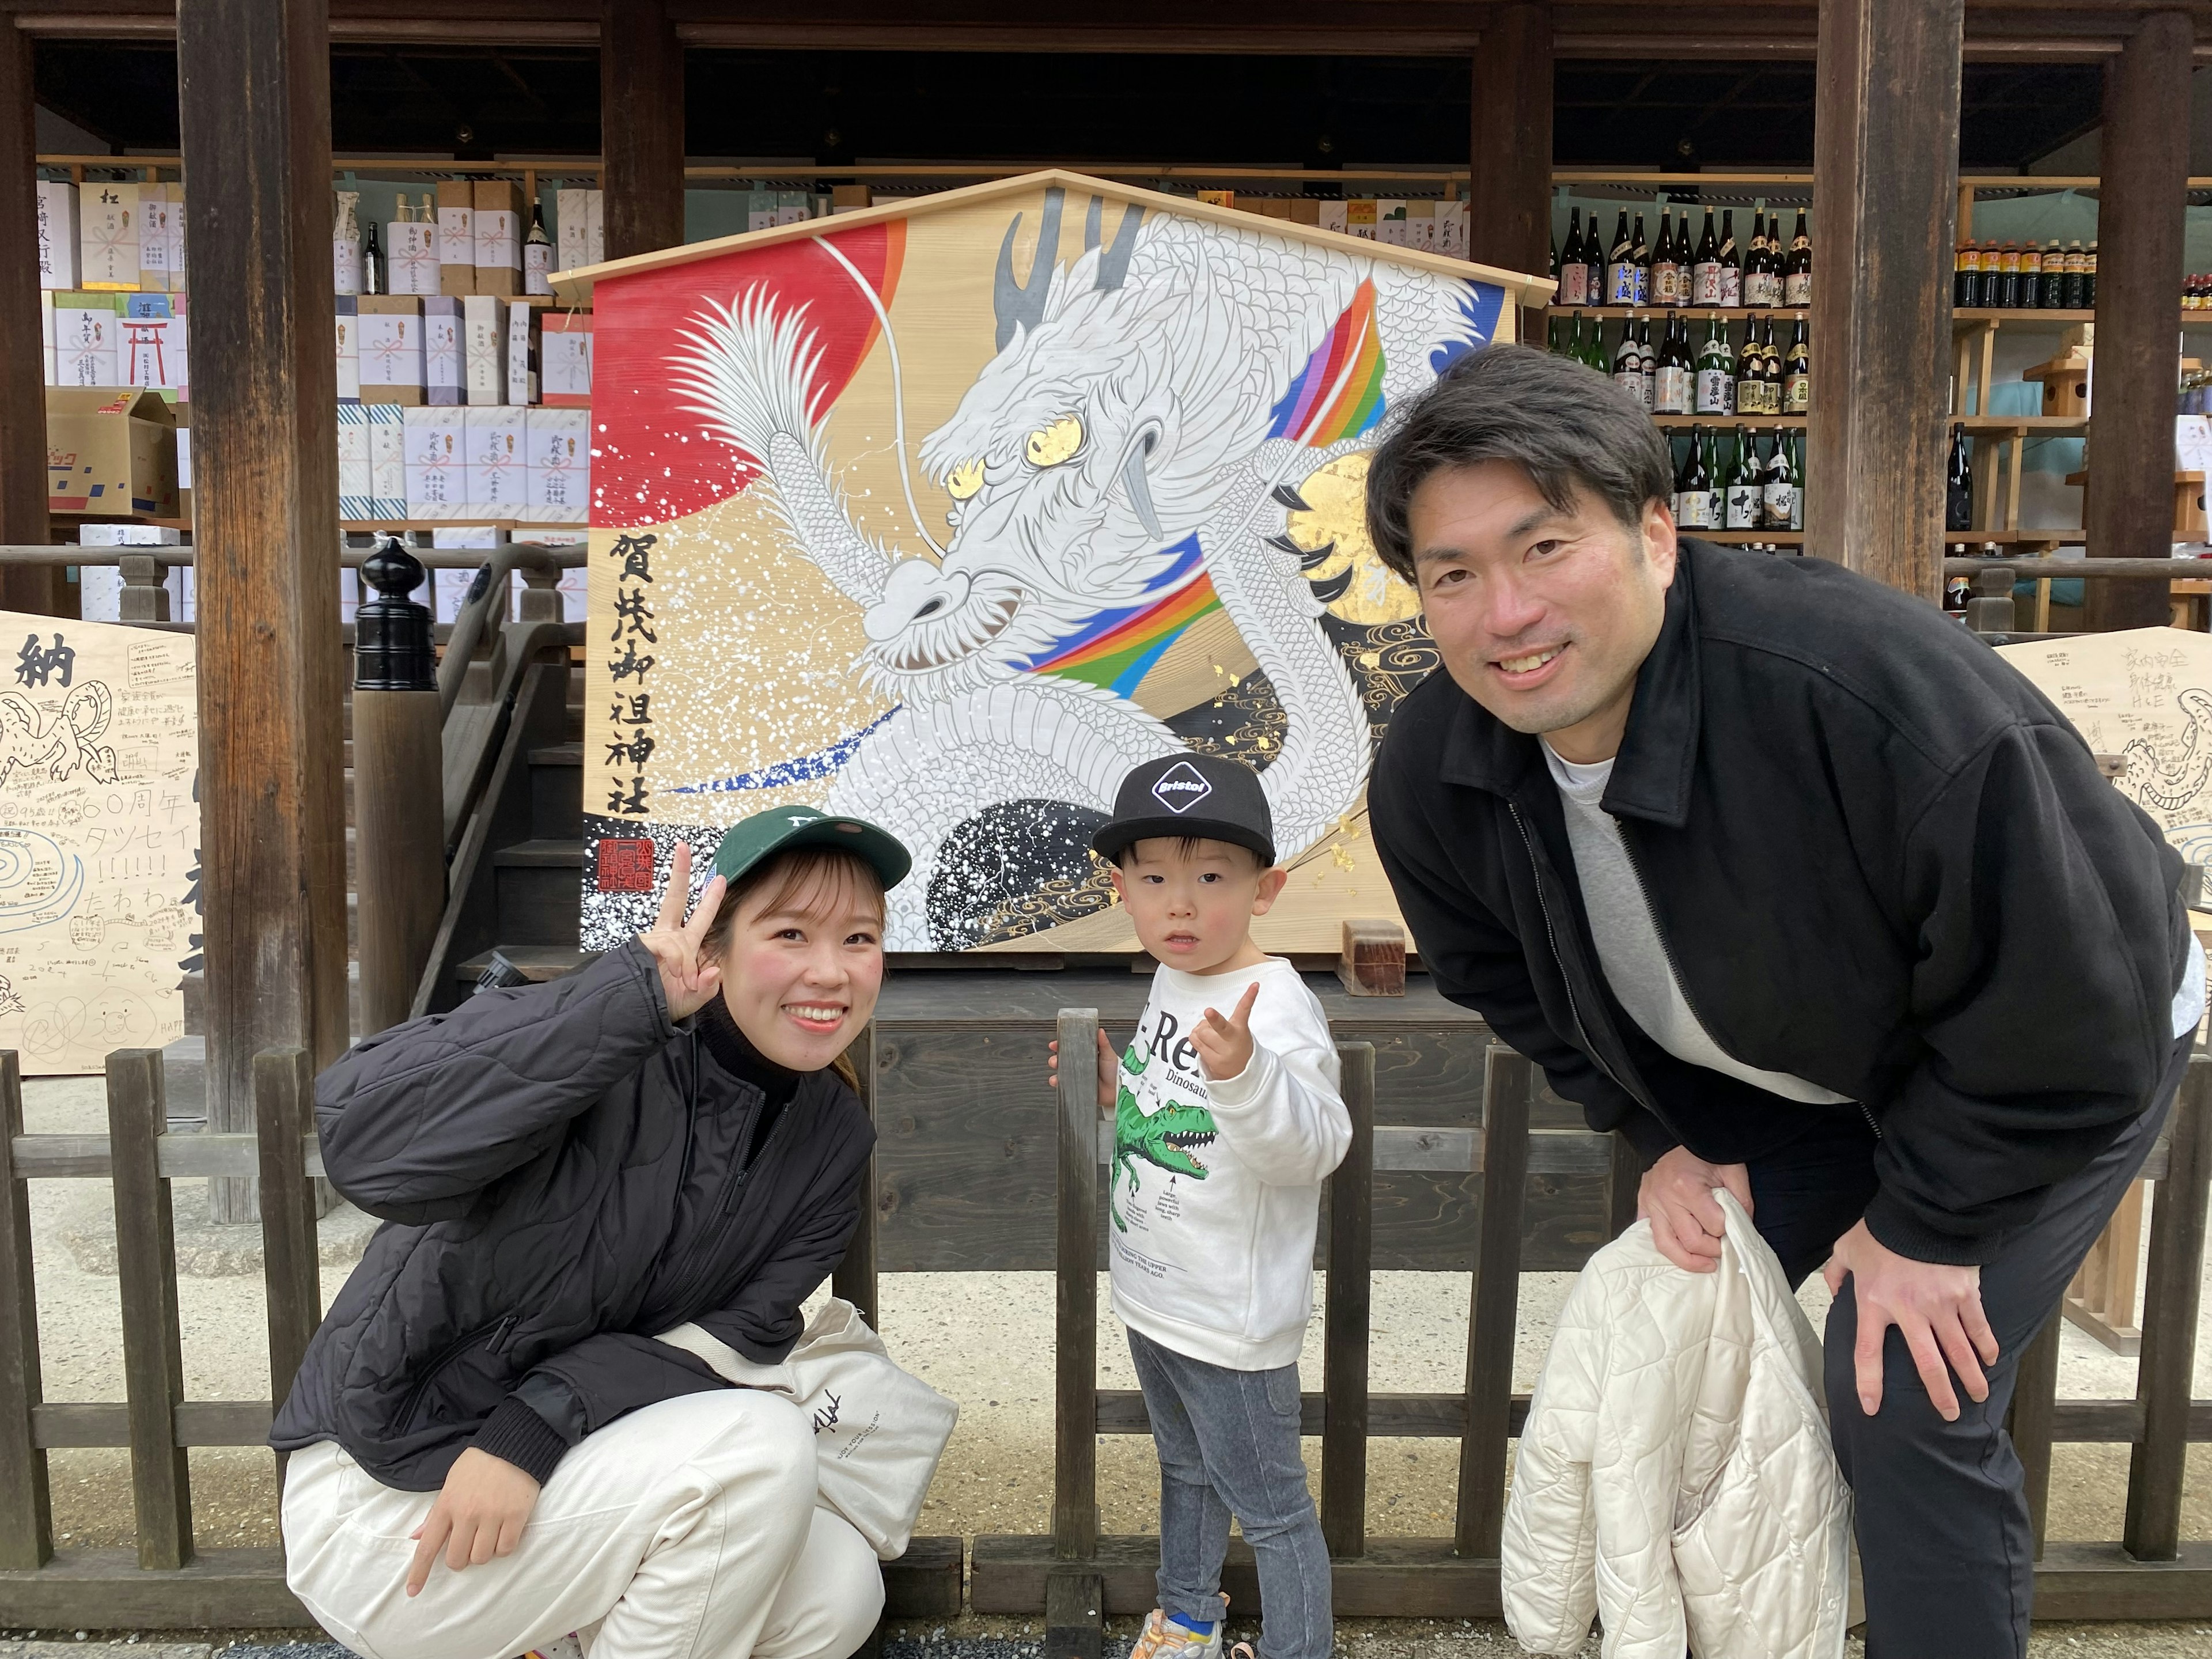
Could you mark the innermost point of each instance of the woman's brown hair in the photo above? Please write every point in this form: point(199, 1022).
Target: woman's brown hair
point(828, 874)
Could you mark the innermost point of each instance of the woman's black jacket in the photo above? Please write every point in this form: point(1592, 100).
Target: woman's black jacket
point(562, 1173)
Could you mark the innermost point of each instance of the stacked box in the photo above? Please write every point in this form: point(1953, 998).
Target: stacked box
point(498, 238)
point(176, 241)
point(437, 470)
point(387, 461)
point(457, 237)
point(522, 347)
point(1390, 223)
point(356, 489)
point(595, 227)
point(793, 207)
point(349, 342)
point(496, 482)
point(1451, 228)
point(46, 335)
point(564, 359)
point(390, 338)
point(441, 350)
point(483, 349)
point(410, 258)
point(1421, 225)
point(152, 350)
point(107, 236)
point(570, 228)
point(760, 210)
point(1334, 216)
point(154, 238)
point(345, 243)
point(560, 466)
point(848, 198)
point(85, 338)
point(58, 235)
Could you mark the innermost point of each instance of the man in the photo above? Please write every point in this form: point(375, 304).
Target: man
point(1803, 889)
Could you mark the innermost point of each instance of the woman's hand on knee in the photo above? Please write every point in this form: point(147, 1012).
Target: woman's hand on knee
point(480, 1513)
point(1676, 1197)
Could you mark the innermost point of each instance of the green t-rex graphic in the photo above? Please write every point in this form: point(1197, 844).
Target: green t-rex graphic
point(1162, 1139)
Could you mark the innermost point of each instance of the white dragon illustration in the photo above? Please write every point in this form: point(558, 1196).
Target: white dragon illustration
point(1131, 414)
point(70, 739)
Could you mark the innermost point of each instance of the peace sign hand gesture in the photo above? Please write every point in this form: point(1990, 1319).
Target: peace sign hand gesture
point(688, 981)
point(1224, 1046)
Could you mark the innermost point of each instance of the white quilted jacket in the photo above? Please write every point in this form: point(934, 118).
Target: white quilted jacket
point(1675, 1476)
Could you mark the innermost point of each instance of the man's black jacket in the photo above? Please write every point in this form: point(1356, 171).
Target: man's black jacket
point(562, 1172)
point(1879, 859)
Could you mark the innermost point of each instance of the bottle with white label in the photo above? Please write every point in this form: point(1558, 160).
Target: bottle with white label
point(1706, 268)
point(1628, 362)
point(1731, 262)
point(1620, 266)
point(1797, 268)
point(1673, 388)
point(1715, 387)
point(537, 254)
point(1694, 487)
point(1746, 500)
point(1775, 504)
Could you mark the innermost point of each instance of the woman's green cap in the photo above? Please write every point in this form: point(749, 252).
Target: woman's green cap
point(780, 829)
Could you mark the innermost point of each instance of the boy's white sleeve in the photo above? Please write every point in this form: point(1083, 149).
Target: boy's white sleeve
point(1283, 1114)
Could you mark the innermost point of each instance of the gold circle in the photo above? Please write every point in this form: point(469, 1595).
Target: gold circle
point(1048, 446)
point(1336, 503)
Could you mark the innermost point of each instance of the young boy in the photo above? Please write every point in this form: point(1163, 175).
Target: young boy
point(1227, 1124)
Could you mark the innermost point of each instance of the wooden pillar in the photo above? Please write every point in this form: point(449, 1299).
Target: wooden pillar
point(254, 98)
point(1510, 192)
point(1885, 192)
point(22, 349)
point(641, 126)
point(2130, 511)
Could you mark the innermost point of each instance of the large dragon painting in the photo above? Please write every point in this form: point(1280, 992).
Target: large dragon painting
point(1145, 452)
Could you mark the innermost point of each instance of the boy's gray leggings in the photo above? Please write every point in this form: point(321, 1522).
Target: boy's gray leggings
point(1228, 1445)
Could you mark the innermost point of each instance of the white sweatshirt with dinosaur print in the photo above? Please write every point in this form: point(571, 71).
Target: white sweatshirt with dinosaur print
point(1216, 1186)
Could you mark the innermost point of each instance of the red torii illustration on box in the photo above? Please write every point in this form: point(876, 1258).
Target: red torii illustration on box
point(948, 511)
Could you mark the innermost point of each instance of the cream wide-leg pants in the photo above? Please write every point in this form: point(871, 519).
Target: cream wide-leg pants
point(686, 1530)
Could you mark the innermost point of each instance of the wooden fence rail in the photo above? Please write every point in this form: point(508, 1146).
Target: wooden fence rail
point(1073, 1574)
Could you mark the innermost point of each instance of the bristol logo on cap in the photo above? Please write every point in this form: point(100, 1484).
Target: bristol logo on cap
point(1181, 788)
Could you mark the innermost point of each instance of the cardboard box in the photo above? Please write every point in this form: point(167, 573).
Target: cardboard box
point(791, 207)
point(58, 235)
point(595, 227)
point(180, 276)
point(436, 446)
point(111, 454)
point(1359, 218)
point(1451, 228)
point(441, 350)
point(1306, 209)
point(844, 198)
point(1421, 225)
point(107, 236)
point(1390, 223)
point(457, 237)
point(571, 208)
point(183, 411)
point(1334, 216)
point(390, 348)
point(387, 461)
point(560, 466)
point(357, 493)
point(564, 359)
point(498, 204)
point(496, 484)
point(522, 347)
point(348, 345)
point(760, 210)
point(154, 238)
point(483, 350)
point(410, 258)
point(1217, 197)
point(153, 351)
point(85, 338)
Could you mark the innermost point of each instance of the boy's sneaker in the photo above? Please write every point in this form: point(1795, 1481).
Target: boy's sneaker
point(566, 1647)
point(1163, 1637)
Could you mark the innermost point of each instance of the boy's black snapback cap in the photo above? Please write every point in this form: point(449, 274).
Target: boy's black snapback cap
point(1192, 794)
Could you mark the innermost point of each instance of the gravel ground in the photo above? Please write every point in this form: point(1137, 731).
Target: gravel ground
point(996, 1476)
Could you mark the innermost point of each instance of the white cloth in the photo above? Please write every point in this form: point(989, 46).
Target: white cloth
point(1675, 1476)
point(687, 1529)
point(1215, 1187)
point(1629, 948)
point(2189, 1000)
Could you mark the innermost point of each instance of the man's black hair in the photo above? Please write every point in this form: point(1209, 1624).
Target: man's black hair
point(1572, 430)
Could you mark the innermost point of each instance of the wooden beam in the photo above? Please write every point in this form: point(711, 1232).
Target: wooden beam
point(1886, 178)
point(254, 108)
point(2130, 511)
point(22, 350)
point(641, 126)
point(1509, 216)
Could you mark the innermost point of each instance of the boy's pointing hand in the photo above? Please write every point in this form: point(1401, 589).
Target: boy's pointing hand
point(1224, 1046)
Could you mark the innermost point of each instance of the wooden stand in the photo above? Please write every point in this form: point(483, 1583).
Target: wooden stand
point(1374, 960)
point(2101, 1300)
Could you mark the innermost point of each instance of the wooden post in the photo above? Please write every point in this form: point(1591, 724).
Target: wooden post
point(1624, 1184)
point(35, 588)
point(400, 864)
point(1886, 180)
point(2130, 510)
point(2034, 1402)
point(27, 1532)
point(146, 1286)
point(641, 126)
point(284, 1114)
point(254, 101)
point(1344, 1318)
point(854, 1276)
point(1507, 1078)
point(2171, 1294)
point(1075, 1600)
point(1509, 214)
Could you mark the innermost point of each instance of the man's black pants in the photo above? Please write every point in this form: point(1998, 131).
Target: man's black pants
point(1943, 1535)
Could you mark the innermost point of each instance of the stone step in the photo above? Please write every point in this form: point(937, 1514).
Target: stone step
point(540, 884)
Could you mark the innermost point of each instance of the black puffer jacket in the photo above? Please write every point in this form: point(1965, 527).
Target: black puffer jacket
point(562, 1175)
point(1879, 859)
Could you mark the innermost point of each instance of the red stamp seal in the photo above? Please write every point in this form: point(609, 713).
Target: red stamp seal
point(625, 866)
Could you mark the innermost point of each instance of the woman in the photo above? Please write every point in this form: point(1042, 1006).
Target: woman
point(565, 1170)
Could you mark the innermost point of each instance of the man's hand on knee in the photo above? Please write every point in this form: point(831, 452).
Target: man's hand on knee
point(480, 1513)
point(1936, 1307)
point(1676, 1197)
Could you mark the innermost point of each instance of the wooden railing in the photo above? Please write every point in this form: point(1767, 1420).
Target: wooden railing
point(1073, 1574)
